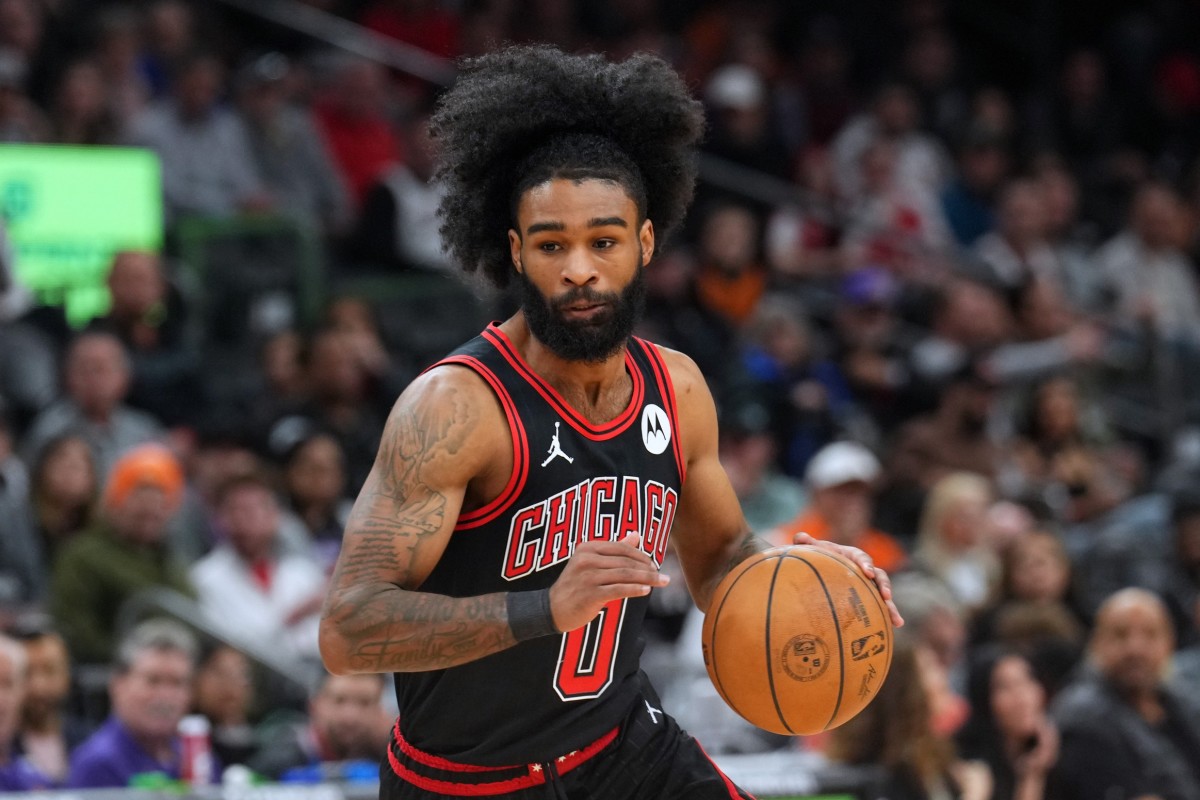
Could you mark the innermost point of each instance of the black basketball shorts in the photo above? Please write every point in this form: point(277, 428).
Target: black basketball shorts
point(648, 757)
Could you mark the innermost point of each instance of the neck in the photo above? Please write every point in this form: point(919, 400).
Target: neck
point(159, 747)
point(590, 384)
point(38, 723)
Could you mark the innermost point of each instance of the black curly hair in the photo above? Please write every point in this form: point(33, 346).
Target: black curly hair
point(524, 115)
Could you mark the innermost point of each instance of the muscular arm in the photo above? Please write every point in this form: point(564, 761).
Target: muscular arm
point(710, 533)
point(438, 438)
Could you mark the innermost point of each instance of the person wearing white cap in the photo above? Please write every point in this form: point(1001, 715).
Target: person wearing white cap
point(840, 479)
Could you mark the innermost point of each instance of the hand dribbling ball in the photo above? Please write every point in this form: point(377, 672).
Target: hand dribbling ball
point(797, 640)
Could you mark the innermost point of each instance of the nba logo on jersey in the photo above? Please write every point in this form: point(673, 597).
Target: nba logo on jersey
point(656, 429)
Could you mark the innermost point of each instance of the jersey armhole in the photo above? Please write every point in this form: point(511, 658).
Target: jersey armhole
point(520, 444)
point(662, 376)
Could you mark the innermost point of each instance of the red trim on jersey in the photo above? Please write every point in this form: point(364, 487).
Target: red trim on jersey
point(602, 432)
point(667, 389)
point(520, 471)
point(536, 773)
point(729, 785)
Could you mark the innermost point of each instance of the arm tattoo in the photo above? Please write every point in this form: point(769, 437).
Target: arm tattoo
point(379, 625)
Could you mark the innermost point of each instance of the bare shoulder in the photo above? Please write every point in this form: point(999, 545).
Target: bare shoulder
point(694, 404)
point(686, 377)
point(448, 414)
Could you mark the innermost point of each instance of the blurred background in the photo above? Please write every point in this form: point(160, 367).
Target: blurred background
point(941, 275)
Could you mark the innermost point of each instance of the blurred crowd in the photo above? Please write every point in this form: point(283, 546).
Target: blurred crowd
point(941, 274)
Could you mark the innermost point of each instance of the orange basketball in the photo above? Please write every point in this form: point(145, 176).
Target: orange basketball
point(797, 640)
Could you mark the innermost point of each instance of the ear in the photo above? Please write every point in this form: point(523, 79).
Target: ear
point(646, 235)
point(514, 248)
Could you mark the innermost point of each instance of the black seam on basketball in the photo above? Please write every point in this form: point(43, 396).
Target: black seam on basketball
point(838, 628)
point(716, 672)
point(770, 660)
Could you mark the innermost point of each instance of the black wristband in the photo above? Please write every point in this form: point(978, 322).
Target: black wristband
point(529, 614)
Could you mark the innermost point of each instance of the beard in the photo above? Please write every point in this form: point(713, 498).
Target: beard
point(590, 341)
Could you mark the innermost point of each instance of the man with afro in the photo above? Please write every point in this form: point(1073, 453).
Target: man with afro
point(500, 554)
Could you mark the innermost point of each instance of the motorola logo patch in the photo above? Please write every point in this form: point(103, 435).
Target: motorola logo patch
point(656, 429)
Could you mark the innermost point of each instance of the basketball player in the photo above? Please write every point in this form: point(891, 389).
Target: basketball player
point(500, 554)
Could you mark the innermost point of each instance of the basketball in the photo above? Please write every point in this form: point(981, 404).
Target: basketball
point(797, 640)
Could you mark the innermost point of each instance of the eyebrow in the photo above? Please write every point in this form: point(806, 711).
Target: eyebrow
point(594, 222)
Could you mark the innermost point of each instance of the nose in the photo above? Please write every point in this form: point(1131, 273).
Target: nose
point(579, 269)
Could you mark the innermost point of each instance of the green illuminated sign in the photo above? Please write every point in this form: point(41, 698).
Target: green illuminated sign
point(68, 209)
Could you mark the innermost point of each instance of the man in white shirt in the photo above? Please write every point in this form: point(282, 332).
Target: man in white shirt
point(252, 588)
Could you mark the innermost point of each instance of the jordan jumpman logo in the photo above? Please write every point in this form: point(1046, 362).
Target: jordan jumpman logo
point(556, 450)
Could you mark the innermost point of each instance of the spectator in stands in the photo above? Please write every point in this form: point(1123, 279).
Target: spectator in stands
point(731, 278)
point(97, 375)
point(931, 65)
point(343, 399)
point(123, 553)
point(63, 490)
point(1070, 236)
point(1035, 570)
point(1125, 731)
point(800, 240)
point(49, 733)
point(954, 437)
point(674, 318)
point(80, 113)
point(207, 166)
point(896, 732)
point(20, 119)
point(22, 567)
point(16, 773)
point(288, 152)
point(873, 344)
point(314, 477)
point(806, 392)
point(1009, 728)
point(117, 53)
point(894, 223)
point(840, 481)
point(250, 586)
point(224, 692)
point(170, 36)
point(149, 316)
point(919, 162)
point(952, 545)
point(150, 692)
point(1182, 589)
point(398, 225)
point(1050, 337)
point(1019, 250)
point(742, 120)
point(351, 114)
point(969, 201)
point(346, 721)
point(748, 451)
point(1151, 278)
point(967, 318)
point(1063, 460)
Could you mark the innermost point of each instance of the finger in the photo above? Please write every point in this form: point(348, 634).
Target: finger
point(885, 591)
point(612, 576)
point(804, 538)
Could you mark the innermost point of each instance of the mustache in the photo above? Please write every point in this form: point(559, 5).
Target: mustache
point(584, 294)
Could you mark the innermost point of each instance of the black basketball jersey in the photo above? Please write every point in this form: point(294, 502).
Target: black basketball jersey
point(571, 481)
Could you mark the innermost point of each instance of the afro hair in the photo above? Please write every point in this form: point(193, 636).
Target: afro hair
point(524, 115)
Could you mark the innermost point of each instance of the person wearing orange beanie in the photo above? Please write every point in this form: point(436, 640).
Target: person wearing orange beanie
point(124, 553)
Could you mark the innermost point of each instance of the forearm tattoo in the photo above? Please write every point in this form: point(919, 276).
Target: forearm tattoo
point(384, 627)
